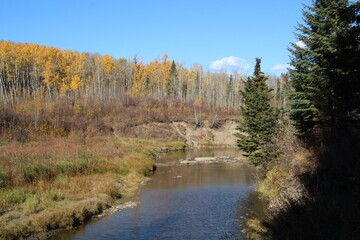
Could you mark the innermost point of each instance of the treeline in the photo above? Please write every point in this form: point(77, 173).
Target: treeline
point(35, 71)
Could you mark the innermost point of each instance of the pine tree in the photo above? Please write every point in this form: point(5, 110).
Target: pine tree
point(173, 79)
point(259, 118)
point(325, 74)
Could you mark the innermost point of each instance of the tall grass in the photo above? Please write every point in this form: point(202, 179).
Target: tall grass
point(62, 182)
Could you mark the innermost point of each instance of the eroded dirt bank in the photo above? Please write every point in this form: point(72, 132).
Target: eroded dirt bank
point(196, 135)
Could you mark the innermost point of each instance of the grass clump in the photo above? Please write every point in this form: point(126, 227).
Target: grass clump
point(3, 180)
point(255, 230)
point(9, 198)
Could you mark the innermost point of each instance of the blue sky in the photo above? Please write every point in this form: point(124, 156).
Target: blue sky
point(219, 34)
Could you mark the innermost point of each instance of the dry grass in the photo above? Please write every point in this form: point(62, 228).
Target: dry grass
point(255, 229)
point(282, 183)
point(313, 192)
point(33, 119)
point(62, 182)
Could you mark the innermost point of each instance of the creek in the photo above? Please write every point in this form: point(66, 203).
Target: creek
point(199, 201)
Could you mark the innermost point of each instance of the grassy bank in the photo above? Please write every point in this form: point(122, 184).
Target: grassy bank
point(62, 160)
point(312, 192)
point(63, 182)
point(281, 184)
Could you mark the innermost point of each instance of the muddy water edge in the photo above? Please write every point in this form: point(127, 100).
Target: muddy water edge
point(182, 201)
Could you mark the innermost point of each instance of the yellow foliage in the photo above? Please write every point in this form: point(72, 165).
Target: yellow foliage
point(38, 71)
point(108, 64)
point(139, 77)
point(76, 83)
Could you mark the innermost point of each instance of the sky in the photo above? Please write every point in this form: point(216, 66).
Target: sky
point(221, 35)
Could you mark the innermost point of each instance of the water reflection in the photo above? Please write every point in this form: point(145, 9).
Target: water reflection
point(218, 174)
point(199, 152)
point(183, 202)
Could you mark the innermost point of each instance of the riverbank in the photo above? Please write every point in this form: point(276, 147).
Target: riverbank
point(63, 161)
point(280, 185)
point(64, 182)
point(311, 192)
point(183, 202)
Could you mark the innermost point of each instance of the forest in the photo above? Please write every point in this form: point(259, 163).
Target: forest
point(32, 71)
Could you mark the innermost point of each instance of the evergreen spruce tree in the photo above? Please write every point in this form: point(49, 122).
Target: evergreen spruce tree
point(326, 66)
point(172, 81)
point(259, 121)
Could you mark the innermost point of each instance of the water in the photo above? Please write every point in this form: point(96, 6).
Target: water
point(205, 201)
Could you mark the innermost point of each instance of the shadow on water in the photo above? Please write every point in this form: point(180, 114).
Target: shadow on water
point(333, 211)
point(250, 207)
point(204, 201)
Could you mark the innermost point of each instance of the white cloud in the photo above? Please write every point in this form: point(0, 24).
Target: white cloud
point(300, 44)
point(280, 67)
point(230, 63)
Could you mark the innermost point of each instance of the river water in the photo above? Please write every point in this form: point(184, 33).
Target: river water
point(204, 201)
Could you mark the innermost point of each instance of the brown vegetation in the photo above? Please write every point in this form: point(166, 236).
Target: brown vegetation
point(312, 193)
point(31, 119)
point(60, 162)
point(281, 185)
point(62, 182)
point(331, 208)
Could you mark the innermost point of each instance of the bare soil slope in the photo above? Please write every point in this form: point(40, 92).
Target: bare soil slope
point(209, 133)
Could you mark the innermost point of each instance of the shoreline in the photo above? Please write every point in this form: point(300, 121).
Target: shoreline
point(116, 168)
point(133, 201)
point(114, 171)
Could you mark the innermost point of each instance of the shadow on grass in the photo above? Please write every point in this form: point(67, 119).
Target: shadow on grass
point(333, 209)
